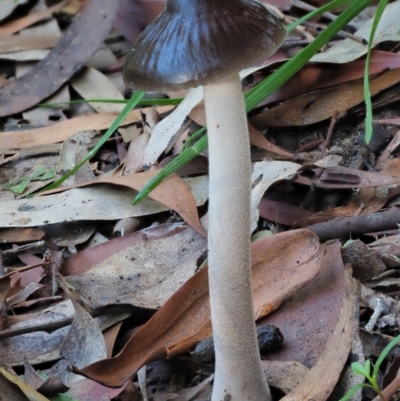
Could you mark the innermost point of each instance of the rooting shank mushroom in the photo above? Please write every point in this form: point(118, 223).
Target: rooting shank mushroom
point(207, 42)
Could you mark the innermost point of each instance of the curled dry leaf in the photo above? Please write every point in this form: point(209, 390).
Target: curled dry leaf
point(288, 260)
point(307, 319)
point(84, 342)
point(322, 378)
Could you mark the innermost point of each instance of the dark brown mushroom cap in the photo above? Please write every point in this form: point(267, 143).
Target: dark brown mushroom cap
point(195, 42)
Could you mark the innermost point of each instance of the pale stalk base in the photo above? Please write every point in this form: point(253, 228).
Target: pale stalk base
point(238, 375)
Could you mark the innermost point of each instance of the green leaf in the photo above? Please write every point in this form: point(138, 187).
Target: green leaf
point(47, 175)
point(19, 187)
point(359, 369)
point(367, 93)
point(367, 368)
point(352, 391)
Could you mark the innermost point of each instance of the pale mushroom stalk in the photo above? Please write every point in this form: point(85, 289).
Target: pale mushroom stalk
point(238, 373)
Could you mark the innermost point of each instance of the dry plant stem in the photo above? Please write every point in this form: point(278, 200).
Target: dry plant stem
point(325, 144)
point(238, 374)
point(365, 223)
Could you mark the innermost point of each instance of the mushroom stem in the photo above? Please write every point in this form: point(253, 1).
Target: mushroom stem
point(238, 375)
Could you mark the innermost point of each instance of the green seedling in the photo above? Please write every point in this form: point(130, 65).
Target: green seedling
point(365, 370)
point(19, 186)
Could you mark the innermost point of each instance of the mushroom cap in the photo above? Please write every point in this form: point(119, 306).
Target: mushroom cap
point(196, 42)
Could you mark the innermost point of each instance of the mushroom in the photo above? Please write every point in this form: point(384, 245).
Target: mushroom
point(207, 42)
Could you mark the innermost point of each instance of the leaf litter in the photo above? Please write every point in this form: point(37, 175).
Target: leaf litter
point(135, 290)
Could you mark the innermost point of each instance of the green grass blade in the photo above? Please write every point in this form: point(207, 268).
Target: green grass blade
point(172, 166)
point(367, 93)
point(264, 89)
point(352, 391)
point(383, 355)
point(133, 101)
point(193, 138)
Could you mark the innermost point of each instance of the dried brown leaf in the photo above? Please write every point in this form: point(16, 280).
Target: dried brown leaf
point(64, 130)
point(185, 317)
point(322, 378)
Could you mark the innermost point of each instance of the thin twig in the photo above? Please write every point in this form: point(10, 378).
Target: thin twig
point(325, 145)
point(35, 246)
point(356, 225)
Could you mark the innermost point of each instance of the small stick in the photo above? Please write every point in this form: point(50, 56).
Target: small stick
point(309, 146)
point(36, 246)
point(365, 223)
point(324, 145)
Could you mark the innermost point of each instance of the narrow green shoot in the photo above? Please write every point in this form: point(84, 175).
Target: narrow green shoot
point(133, 101)
point(194, 138)
point(367, 93)
point(262, 90)
point(365, 370)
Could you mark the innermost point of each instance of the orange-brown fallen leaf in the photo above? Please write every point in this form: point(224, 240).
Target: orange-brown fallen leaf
point(64, 130)
point(282, 264)
point(322, 378)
